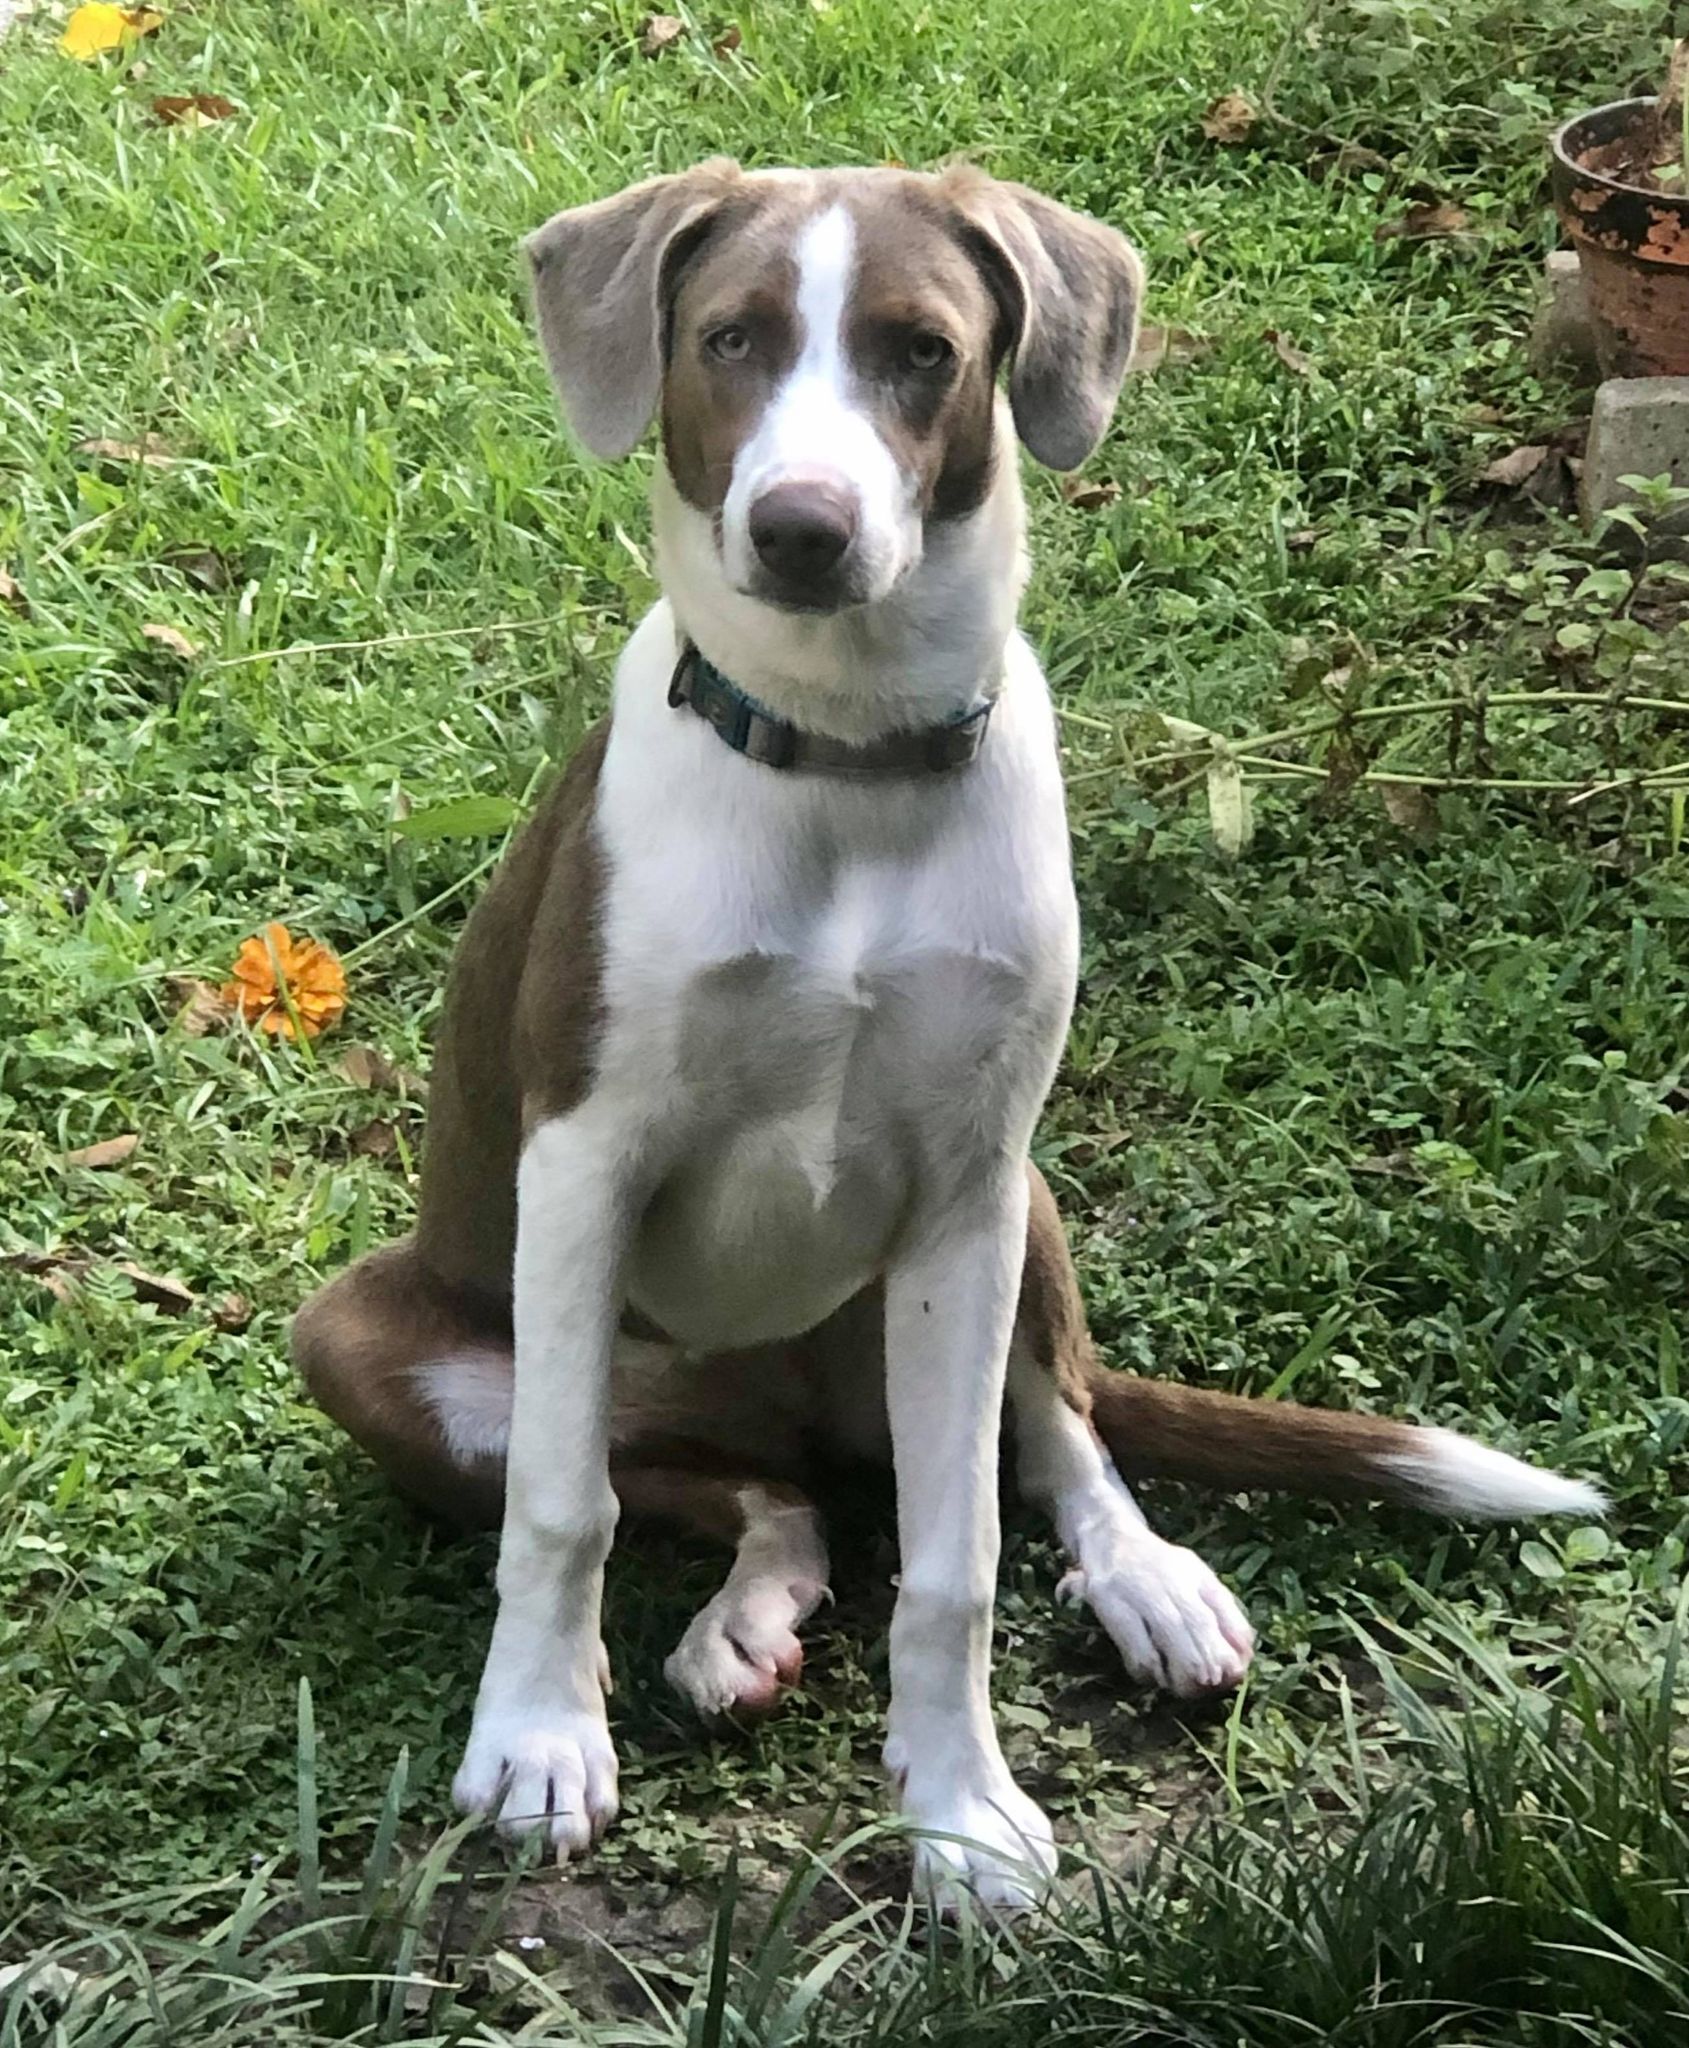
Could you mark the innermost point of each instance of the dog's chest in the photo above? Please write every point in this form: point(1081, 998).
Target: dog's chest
point(818, 1086)
point(829, 1005)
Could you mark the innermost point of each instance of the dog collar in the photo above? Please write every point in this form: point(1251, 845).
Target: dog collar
point(751, 729)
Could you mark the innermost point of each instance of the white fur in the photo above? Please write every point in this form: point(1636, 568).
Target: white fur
point(1456, 1476)
point(539, 1753)
point(470, 1394)
point(814, 430)
point(950, 1305)
point(1172, 1621)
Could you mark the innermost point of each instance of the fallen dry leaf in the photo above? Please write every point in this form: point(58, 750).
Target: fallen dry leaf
point(62, 1272)
point(167, 637)
point(158, 1288)
point(60, 1283)
point(374, 1140)
point(193, 109)
point(231, 1312)
point(95, 29)
point(728, 41)
point(150, 450)
point(277, 977)
point(1424, 224)
point(1090, 494)
point(1411, 806)
point(108, 1152)
point(1156, 346)
point(1516, 467)
point(1664, 153)
point(1288, 353)
point(364, 1067)
point(46, 1980)
point(658, 31)
point(201, 1006)
point(11, 593)
point(1230, 119)
point(205, 567)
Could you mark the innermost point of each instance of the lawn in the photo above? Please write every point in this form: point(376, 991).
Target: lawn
point(1386, 1110)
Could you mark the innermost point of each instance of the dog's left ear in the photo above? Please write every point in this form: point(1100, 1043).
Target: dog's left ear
point(602, 274)
point(1070, 289)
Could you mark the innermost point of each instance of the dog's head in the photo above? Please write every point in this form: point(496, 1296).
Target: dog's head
point(824, 349)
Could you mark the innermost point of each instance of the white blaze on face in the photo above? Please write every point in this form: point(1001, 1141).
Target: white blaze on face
point(817, 429)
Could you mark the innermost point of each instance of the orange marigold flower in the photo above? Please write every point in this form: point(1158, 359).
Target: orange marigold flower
point(275, 970)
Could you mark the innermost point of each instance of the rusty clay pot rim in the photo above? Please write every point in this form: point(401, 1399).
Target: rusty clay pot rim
point(1620, 188)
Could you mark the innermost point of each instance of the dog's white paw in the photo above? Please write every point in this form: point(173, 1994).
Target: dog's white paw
point(978, 1844)
point(1172, 1621)
point(742, 1652)
point(541, 1770)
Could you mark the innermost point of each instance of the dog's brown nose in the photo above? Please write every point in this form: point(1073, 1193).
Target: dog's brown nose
point(801, 530)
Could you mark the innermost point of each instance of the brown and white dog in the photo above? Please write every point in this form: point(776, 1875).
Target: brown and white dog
point(728, 1160)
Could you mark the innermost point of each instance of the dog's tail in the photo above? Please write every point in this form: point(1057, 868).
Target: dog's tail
point(1158, 1429)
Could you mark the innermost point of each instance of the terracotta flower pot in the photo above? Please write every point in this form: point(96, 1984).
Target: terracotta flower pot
point(1632, 241)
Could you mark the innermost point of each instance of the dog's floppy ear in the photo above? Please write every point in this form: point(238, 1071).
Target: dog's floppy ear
point(599, 274)
point(1070, 289)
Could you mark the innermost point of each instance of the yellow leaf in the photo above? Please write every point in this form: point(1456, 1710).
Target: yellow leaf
point(96, 28)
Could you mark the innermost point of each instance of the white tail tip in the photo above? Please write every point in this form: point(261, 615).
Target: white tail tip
point(1455, 1476)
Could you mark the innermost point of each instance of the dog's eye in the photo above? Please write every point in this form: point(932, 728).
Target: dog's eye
point(731, 344)
point(929, 352)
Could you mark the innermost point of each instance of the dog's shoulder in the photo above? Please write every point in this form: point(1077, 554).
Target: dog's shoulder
point(520, 1022)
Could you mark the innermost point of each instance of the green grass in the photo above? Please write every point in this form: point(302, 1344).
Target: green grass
point(1392, 1122)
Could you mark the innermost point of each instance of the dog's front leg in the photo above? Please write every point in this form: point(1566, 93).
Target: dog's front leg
point(950, 1304)
point(539, 1752)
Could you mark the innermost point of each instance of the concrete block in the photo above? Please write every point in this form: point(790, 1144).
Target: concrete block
point(1563, 337)
point(1640, 427)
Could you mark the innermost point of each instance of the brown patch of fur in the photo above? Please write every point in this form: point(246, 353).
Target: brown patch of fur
point(599, 275)
point(1157, 1429)
point(559, 1005)
point(702, 1499)
point(743, 273)
point(521, 1019)
point(1079, 285)
point(915, 275)
point(1050, 1320)
point(357, 1343)
point(359, 1340)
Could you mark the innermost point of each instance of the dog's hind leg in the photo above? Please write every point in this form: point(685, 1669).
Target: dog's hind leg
point(741, 1652)
point(1173, 1622)
point(420, 1373)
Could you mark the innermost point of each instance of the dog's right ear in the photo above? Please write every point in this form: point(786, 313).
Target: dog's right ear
point(600, 284)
